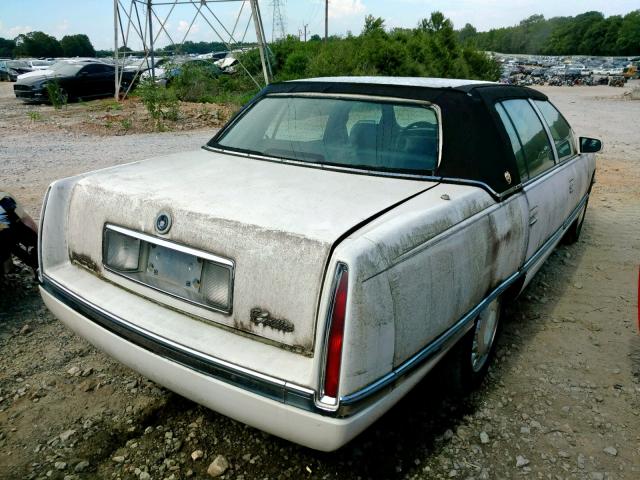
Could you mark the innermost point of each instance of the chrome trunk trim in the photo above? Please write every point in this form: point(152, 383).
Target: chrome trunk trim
point(224, 262)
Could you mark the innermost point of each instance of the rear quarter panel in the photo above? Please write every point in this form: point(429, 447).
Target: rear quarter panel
point(422, 266)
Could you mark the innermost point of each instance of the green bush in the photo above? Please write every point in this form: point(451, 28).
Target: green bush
point(195, 82)
point(432, 49)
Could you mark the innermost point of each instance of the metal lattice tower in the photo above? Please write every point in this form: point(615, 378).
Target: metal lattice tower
point(279, 27)
point(145, 22)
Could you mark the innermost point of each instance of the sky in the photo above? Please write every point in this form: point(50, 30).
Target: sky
point(95, 17)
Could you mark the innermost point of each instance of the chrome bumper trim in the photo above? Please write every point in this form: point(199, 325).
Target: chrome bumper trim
point(255, 382)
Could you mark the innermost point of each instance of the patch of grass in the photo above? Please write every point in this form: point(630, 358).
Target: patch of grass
point(34, 116)
point(112, 106)
point(126, 124)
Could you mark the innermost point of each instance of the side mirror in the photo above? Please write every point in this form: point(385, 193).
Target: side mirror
point(590, 145)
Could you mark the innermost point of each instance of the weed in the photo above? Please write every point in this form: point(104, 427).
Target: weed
point(58, 97)
point(34, 116)
point(160, 102)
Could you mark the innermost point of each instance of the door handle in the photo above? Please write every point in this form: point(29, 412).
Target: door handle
point(533, 215)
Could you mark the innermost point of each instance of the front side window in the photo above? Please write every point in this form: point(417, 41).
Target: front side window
point(536, 147)
point(374, 135)
point(560, 130)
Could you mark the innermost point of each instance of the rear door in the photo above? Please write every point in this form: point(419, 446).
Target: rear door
point(546, 185)
point(568, 154)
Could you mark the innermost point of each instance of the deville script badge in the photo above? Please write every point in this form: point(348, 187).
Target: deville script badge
point(263, 317)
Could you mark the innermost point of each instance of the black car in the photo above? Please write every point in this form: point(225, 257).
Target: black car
point(75, 80)
point(10, 69)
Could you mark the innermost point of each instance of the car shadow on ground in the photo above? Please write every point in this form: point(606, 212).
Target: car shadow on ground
point(18, 296)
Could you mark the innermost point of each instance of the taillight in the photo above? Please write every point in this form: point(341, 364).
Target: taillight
point(336, 335)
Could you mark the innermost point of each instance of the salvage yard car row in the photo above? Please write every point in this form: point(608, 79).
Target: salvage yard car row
point(339, 236)
point(86, 78)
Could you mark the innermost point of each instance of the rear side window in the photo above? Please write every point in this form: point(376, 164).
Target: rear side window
point(560, 130)
point(533, 139)
point(515, 143)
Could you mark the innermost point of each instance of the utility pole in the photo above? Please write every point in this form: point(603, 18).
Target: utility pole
point(153, 60)
point(306, 25)
point(116, 19)
point(326, 20)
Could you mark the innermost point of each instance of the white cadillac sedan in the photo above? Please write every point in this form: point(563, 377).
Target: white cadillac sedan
point(309, 265)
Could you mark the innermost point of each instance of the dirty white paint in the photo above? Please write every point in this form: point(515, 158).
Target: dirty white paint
point(419, 268)
point(277, 222)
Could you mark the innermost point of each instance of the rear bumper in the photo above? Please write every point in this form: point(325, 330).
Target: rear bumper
point(225, 393)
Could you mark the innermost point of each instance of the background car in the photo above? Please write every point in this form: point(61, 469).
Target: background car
point(75, 81)
point(168, 70)
point(40, 64)
point(10, 69)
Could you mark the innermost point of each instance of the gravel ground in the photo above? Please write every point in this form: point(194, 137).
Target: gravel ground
point(562, 401)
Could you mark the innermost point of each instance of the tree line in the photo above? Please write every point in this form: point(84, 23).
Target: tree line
point(431, 49)
point(590, 33)
point(39, 45)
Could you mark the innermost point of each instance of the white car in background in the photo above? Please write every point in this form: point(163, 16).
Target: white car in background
point(40, 64)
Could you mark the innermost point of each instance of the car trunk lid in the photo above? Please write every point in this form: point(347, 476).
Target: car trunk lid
point(276, 222)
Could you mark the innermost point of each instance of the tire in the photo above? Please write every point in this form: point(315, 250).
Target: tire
point(572, 235)
point(472, 356)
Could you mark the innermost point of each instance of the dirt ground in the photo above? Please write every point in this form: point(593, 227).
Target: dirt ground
point(105, 117)
point(561, 402)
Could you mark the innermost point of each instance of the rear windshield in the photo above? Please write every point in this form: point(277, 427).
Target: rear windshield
point(69, 69)
point(373, 135)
